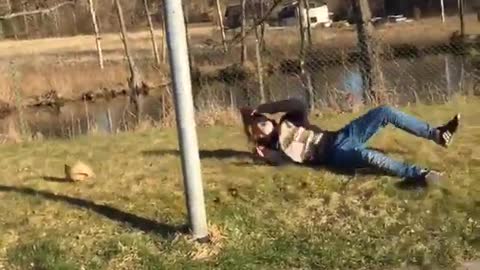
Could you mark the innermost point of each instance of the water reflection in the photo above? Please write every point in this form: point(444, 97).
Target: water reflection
point(78, 118)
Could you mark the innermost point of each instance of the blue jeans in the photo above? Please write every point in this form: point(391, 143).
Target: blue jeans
point(348, 150)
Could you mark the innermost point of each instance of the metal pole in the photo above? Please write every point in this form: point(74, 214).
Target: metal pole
point(179, 66)
point(442, 5)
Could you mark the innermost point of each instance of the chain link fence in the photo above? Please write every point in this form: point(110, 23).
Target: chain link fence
point(392, 59)
point(334, 61)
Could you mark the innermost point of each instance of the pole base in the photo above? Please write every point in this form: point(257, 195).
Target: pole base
point(204, 240)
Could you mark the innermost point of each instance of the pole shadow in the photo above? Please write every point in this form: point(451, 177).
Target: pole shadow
point(132, 220)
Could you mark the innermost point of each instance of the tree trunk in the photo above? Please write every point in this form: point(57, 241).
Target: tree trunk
point(152, 33)
point(309, 26)
point(369, 65)
point(243, 33)
point(14, 28)
point(221, 26)
point(259, 65)
point(232, 99)
point(74, 21)
point(36, 25)
point(135, 81)
point(9, 6)
point(461, 13)
point(262, 29)
point(25, 21)
point(97, 34)
point(304, 74)
point(164, 37)
point(191, 60)
point(55, 20)
point(417, 13)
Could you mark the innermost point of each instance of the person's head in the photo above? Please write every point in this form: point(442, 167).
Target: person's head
point(257, 128)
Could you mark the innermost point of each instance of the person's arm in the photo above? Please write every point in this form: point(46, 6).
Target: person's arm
point(273, 157)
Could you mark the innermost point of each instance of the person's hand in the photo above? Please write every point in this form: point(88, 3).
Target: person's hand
point(260, 151)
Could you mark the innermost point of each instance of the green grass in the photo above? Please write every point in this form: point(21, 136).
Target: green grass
point(260, 217)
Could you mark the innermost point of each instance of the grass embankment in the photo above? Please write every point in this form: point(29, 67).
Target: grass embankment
point(261, 217)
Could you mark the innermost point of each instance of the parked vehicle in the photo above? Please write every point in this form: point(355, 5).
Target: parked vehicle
point(318, 14)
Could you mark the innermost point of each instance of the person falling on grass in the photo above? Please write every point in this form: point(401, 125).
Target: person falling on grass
point(280, 132)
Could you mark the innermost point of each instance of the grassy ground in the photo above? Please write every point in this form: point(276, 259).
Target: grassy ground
point(260, 217)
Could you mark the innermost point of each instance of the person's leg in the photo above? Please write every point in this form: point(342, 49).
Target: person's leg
point(363, 128)
point(355, 158)
point(360, 157)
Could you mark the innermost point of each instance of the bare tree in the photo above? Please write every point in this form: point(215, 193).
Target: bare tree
point(161, 16)
point(191, 60)
point(164, 40)
point(74, 21)
point(97, 33)
point(461, 14)
point(37, 11)
point(243, 33)
point(152, 32)
point(55, 21)
point(258, 55)
point(262, 25)
point(305, 75)
point(11, 24)
point(369, 65)
point(14, 29)
point(309, 26)
point(25, 20)
point(221, 26)
point(135, 81)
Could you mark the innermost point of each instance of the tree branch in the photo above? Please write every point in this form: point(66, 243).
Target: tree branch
point(238, 37)
point(42, 11)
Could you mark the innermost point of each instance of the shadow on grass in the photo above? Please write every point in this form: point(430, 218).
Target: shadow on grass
point(56, 179)
point(230, 153)
point(114, 214)
point(218, 154)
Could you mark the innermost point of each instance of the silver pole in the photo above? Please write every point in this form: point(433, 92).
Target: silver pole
point(442, 5)
point(179, 66)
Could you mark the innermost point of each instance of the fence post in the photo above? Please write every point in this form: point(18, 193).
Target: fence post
point(179, 66)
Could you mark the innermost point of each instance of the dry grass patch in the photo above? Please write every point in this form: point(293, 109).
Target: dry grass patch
point(260, 217)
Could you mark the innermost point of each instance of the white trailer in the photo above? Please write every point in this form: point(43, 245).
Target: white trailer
point(318, 14)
